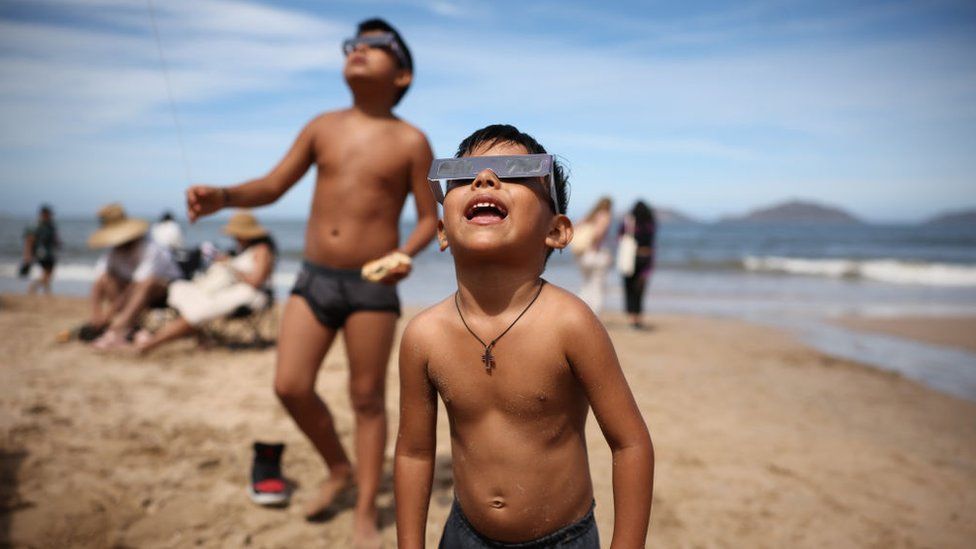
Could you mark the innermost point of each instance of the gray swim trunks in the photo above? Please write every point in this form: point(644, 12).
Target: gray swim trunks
point(334, 294)
point(460, 534)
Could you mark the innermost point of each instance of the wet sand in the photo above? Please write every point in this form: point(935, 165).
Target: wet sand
point(760, 442)
point(958, 332)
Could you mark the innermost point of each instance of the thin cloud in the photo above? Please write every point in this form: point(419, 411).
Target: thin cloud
point(57, 80)
point(701, 148)
point(694, 89)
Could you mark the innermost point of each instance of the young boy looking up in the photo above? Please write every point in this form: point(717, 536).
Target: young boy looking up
point(518, 363)
point(368, 161)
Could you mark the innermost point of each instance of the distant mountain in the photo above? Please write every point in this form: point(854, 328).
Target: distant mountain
point(669, 215)
point(795, 211)
point(958, 217)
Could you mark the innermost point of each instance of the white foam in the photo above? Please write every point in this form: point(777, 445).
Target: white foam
point(85, 272)
point(75, 272)
point(881, 270)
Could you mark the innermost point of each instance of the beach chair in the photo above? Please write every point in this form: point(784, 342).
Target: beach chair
point(189, 260)
point(245, 328)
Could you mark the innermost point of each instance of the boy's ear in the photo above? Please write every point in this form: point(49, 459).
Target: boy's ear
point(560, 232)
point(403, 78)
point(441, 235)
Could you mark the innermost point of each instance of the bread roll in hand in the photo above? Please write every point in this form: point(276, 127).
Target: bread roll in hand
point(376, 270)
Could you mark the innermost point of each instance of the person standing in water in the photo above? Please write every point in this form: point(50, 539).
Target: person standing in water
point(641, 224)
point(40, 243)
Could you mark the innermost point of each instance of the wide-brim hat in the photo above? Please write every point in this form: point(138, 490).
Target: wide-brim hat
point(115, 228)
point(244, 225)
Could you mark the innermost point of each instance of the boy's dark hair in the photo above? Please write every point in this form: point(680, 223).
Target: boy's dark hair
point(377, 24)
point(506, 133)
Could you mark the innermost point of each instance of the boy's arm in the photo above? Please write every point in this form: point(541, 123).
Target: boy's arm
point(413, 468)
point(424, 201)
point(28, 246)
point(204, 200)
point(421, 157)
point(594, 361)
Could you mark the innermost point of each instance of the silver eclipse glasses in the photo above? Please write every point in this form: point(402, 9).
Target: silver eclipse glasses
point(447, 173)
point(377, 40)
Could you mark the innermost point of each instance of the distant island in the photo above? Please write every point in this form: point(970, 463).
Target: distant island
point(958, 217)
point(796, 211)
point(670, 215)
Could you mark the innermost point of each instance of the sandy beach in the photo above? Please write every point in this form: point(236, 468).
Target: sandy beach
point(760, 442)
point(958, 332)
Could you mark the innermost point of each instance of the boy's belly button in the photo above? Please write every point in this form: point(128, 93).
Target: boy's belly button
point(496, 503)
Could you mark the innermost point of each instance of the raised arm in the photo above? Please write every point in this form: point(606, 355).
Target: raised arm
point(202, 200)
point(413, 469)
point(591, 355)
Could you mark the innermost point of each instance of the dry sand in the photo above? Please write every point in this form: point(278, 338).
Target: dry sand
point(957, 332)
point(760, 441)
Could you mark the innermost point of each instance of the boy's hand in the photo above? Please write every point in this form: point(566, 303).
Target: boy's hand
point(389, 269)
point(202, 200)
point(397, 273)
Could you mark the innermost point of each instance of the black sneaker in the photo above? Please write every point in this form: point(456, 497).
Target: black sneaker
point(268, 485)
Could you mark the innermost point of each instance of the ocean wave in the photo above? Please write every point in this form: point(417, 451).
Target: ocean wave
point(881, 270)
point(85, 272)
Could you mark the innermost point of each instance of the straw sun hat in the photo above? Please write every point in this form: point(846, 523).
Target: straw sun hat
point(115, 228)
point(244, 225)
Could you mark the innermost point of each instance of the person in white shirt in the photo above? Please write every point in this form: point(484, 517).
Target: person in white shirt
point(230, 283)
point(167, 232)
point(591, 253)
point(131, 276)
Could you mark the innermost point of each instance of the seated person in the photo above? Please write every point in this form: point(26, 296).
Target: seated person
point(131, 276)
point(226, 286)
point(167, 232)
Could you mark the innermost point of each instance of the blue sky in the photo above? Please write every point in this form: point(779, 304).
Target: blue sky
point(708, 107)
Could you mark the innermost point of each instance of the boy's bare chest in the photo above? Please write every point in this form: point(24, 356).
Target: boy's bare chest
point(371, 154)
point(524, 381)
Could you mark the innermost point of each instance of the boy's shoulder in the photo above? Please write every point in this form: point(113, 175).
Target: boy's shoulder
point(567, 313)
point(569, 318)
point(431, 322)
point(412, 135)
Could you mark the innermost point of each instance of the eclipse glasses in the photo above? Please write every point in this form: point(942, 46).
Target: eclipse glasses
point(378, 40)
point(448, 173)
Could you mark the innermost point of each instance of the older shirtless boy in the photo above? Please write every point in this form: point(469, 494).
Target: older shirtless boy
point(518, 363)
point(368, 161)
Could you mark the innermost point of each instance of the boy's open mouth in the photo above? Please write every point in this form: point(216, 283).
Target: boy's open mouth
point(485, 210)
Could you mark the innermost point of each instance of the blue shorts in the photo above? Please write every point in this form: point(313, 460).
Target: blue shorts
point(334, 294)
point(459, 534)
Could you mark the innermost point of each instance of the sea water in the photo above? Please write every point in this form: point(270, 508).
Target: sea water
point(795, 277)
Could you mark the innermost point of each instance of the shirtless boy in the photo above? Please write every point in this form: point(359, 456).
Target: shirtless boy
point(368, 161)
point(518, 363)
